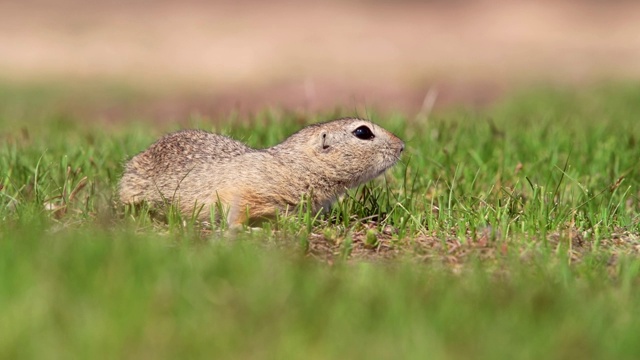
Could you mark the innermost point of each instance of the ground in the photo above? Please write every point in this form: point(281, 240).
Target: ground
point(218, 57)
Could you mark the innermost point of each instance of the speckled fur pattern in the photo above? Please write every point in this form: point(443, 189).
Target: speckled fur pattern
point(195, 168)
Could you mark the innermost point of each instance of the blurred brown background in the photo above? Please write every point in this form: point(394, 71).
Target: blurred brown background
point(318, 54)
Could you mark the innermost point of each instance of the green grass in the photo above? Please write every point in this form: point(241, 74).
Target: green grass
point(510, 232)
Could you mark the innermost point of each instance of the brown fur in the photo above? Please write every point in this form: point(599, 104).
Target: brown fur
point(194, 167)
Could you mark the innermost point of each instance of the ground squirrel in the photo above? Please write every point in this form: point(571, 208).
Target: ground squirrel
point(196, 170)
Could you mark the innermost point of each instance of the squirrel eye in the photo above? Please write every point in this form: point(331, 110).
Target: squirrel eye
point(363, 133)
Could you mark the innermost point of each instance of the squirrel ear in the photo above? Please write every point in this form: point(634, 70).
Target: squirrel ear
point(324, 142)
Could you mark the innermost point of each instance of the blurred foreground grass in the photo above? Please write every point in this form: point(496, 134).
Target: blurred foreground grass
point(508, 232)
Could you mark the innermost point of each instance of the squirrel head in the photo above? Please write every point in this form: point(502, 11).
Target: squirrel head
point(350, 151)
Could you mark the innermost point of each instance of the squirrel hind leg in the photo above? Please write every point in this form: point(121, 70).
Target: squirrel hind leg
point(235, 215)
point(231, 207)
point(247, 207)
